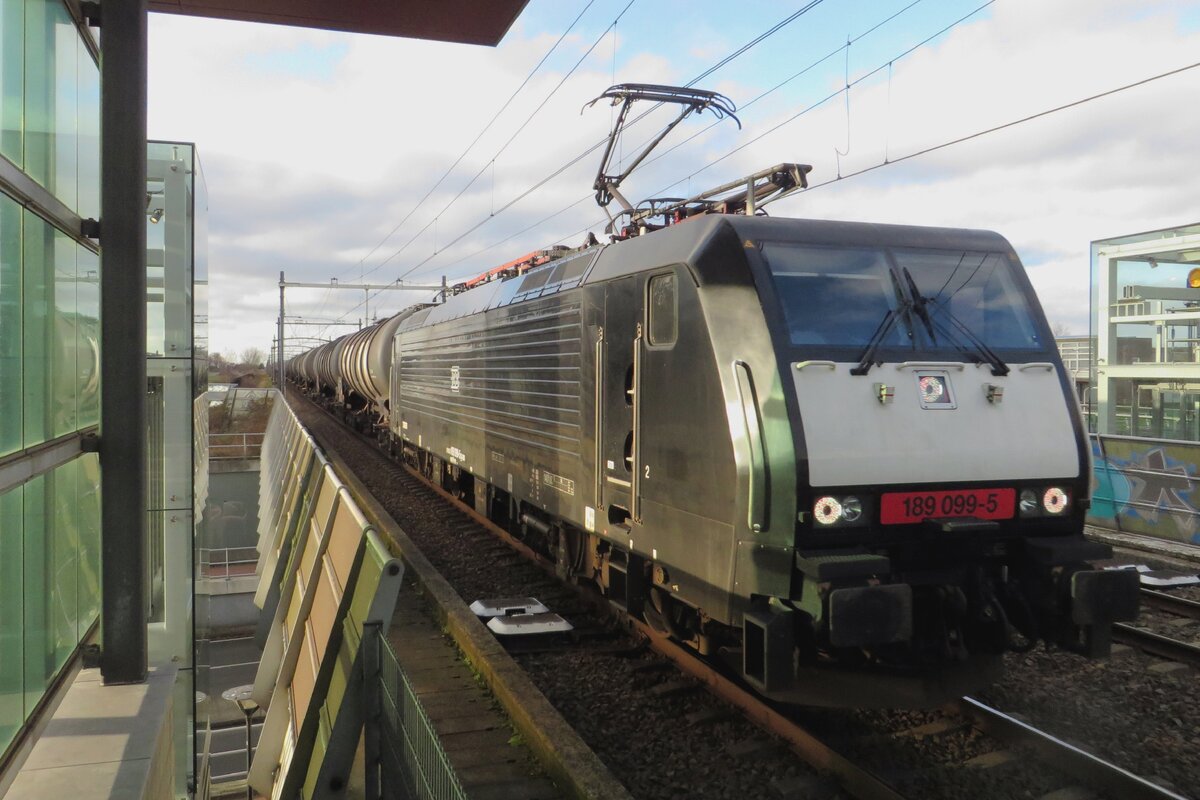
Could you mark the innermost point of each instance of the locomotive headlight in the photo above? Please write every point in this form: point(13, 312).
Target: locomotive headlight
point(851, 509)
point(1055, 500)
point(1029, 503)
point(828, 511)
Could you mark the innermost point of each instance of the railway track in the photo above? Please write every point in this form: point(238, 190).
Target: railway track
point(1154, 643)
point(1170, 603)
point(1094, 772)
point(1075, 766)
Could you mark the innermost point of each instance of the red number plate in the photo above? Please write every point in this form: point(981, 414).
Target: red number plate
point(898, 508)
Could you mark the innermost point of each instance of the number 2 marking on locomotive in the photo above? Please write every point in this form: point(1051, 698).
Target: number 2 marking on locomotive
point(647, 473)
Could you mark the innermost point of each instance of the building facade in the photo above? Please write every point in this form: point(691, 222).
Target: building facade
point(1146, 324)
point(49, 349)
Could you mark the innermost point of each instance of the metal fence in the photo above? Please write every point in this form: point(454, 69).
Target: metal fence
point(226, 562)
point(1146, 486)
point(412, 763)
point(227, 446)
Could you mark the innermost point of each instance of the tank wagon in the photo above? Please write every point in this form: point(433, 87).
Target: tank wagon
point(354, 370)
point(845, 457)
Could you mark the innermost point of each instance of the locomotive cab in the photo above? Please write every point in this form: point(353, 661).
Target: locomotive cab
point(942, 467)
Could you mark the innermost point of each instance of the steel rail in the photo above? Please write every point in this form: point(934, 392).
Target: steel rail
point(854, 779)
point(1171, 603)
point(860, 783)
point(1157, 644)
point(1079, 764)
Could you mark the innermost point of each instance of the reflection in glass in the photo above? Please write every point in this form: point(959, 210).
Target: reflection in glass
point(89, 134)
point(51, 98)
point(10, 325)
point(65, 357)
point(87, 337)
point(88, 486)
point(12, 79)
point(833, 296)
point(38, 639)
point(38, 346)
point(12, 685)
point(840, 297)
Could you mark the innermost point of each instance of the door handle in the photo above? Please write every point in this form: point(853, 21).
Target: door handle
point(598, 488)
point(759, 493)
point(636, 489)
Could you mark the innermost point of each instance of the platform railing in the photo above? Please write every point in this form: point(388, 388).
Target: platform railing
point(412, 762)
point(1146, 487)
point(226, 562)
point(228, 446)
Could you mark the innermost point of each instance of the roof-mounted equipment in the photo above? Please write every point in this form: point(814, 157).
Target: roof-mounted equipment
point(746, 195)
point(625, 95)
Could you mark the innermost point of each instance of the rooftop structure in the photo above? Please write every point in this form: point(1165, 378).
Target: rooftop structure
point(1146, 324)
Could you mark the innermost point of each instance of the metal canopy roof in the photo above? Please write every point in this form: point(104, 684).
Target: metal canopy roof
point(465, 21)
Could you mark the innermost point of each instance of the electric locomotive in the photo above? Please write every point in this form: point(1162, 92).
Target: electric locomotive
point(843, 457)
point(838, 449)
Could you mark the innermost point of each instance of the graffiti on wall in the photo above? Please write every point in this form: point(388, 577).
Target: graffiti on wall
point(1147, 487)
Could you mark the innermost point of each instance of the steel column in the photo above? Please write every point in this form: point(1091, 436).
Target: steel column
point(123, 332)
point(279, 335)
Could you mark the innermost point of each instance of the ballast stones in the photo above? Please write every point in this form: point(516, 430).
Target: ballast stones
point(519, 616)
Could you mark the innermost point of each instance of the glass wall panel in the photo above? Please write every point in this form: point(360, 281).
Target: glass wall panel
point(89, 134)
point(12, 79)
point(66, 340)
point(62, 563)
point(87, 335)
point(1183, 342)
point(10, 324)
point(1137, 343)
point(51, 98)
point(12, 704)
point(66, 108)
point(38, 326)
point(49, 277)
point(37, 634)
point(88, 486)
point(200, 275)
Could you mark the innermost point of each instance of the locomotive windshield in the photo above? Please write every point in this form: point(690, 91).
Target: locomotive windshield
point(938, 303)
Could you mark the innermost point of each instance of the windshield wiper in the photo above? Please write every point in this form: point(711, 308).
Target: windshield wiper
point(903, 308)
point(919, 303)
point(988, 354)
point(881, 334)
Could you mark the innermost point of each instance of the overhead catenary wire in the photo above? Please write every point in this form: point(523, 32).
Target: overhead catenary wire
point(885, 65)
point(690, 138)
point(481, 133)
point(710, 70)
point(475, 141)
point(727, 59)
point(888, 64)
point(508, 142)
point(491, 161)
point(986, 131)
point(805, 70)
point(1012, 123)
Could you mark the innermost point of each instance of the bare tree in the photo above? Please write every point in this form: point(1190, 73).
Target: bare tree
point(253, 356)
point(1060, 329)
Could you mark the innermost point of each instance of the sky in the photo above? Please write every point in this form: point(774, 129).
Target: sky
point(323, 151)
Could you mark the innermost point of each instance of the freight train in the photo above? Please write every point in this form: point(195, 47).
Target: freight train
point(844, 457)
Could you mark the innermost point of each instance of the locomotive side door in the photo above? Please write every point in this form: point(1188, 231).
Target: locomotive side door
point(621, 351)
